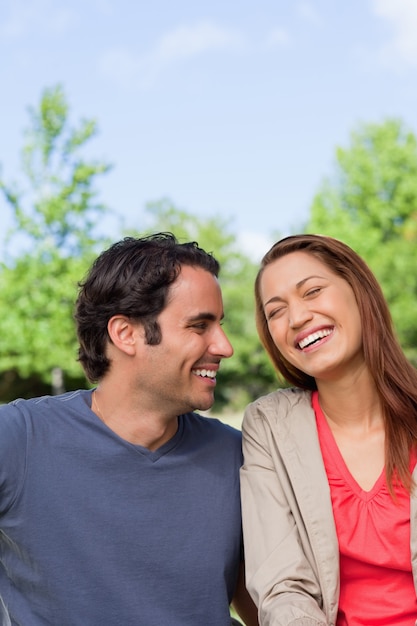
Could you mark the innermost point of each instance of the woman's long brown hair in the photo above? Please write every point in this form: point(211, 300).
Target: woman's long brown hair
point(395, 378)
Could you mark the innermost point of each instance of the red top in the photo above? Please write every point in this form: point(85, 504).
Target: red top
point(376, 581)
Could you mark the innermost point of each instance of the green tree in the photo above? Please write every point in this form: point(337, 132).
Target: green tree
point(371, 204)
point(49, 247)
point(248, 373)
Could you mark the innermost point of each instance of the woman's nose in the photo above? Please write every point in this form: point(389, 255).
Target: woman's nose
point(298, 314)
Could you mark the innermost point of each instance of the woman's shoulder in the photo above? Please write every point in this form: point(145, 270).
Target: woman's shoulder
point(283, 408)
point(284, 399)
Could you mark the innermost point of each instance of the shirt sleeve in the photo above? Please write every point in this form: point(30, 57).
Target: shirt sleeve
point(278, 574)
point(13, 449)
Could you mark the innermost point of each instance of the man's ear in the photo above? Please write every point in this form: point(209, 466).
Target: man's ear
point(123, 333)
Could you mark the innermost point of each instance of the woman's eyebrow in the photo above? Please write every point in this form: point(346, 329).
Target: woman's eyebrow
point(298, 285)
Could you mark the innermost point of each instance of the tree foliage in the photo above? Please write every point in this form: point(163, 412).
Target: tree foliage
point(56, 208)
point(371, 204)
point(50, 244)
point(53, 242)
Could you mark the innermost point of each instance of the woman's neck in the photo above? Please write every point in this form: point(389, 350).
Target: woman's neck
point(349, 402)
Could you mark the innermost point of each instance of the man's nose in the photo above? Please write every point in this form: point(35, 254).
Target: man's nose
point(222, 345)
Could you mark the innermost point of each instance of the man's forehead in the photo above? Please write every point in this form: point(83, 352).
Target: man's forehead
point(194, 279)
point(197, 294)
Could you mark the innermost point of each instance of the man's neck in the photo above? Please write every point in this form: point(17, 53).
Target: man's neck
point(130, 423)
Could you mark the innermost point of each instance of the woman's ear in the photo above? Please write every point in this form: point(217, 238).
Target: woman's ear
point(123, 333)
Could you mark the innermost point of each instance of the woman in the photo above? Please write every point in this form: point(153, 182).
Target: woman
point(328, 497)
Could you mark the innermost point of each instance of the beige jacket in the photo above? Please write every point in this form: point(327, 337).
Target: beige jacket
point(291, 548)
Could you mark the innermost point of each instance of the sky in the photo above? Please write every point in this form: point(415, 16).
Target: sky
point(228, 108)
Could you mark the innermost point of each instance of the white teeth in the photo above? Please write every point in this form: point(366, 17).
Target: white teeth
point(205, 373)
point(314, 337)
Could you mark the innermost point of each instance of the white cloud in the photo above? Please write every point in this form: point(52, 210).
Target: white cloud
point(35, 16)
point(307, 12)
point(278, 37)
point(189, 41)
point(255, 245)
point(185, 42)
point(402, 17)
point(120, 65)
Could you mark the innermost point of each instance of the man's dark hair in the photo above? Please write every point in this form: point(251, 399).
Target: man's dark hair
point(131, 278)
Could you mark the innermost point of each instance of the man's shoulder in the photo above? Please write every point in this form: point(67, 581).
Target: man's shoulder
point(21, 407)
point(211, 433)
point(212, 425)
point(212, 441)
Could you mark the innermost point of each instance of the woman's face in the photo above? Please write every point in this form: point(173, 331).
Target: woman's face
point(312, 316)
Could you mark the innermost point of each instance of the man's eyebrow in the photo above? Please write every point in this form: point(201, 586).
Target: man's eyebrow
point(204, 316)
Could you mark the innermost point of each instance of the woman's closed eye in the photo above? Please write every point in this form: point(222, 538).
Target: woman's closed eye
point(276, 312)
point(313, 292)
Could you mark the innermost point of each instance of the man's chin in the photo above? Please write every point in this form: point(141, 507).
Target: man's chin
point(205, 404)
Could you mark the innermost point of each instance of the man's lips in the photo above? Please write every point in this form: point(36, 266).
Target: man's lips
point(205, 373)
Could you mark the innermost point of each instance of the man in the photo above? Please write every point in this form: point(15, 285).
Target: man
point(119, 506)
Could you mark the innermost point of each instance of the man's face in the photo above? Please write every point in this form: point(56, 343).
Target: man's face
point(179, 374)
